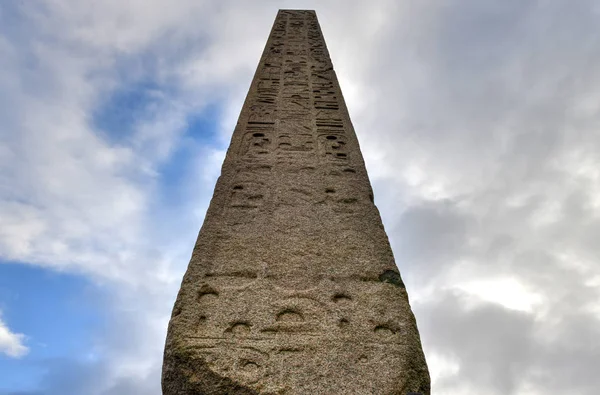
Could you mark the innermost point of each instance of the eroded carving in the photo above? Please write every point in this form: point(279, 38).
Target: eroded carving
point(333, 147)
point(247, 193)
point(267, 91)
point(257, 142)
point(341, 298)
point(289, 315)
point(262, 114)
point(207, 293)
point(239, 329)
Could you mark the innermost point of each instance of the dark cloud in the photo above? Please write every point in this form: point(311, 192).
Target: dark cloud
point(427, 234)
point(491, 344)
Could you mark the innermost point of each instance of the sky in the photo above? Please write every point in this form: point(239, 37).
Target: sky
point(478, 121)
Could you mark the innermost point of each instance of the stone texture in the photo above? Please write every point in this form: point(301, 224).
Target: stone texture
point(292, 286)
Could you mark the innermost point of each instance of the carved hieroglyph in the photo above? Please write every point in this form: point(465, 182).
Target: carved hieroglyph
point(292, 287)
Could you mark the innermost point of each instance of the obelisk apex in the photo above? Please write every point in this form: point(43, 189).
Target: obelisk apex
point(292, 287)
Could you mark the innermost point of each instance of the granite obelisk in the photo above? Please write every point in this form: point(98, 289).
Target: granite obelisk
point(292, 287)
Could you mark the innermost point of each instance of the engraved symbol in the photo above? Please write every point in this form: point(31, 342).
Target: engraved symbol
point(276, 48)
point(329, 122)
point(207, 293)
point(323, 75)
point(249, 367)
point(256, 144)
point(325, 96)
point(296, 97)
point(267, 91)
point(301, 142)
point(341, 298)
point(343, 323)
point(296, 27)
point(207, 298)
point(295, 72)
point(289, 315)
point(326, 104)
point(333, 147)
point(261, 114)
point(247, 195)
point(250, 364)
point(239, 329)
point(299, 102)
point(294, 140)
point(386, 331)
point(270, 72)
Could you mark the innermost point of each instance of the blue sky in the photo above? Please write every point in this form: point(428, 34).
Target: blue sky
point(47, 305)
point(63, 315)
point(477, 119)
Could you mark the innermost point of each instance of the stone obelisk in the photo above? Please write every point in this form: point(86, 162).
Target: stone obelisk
point(292, 287)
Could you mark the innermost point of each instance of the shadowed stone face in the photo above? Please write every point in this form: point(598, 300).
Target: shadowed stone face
point(292, 287)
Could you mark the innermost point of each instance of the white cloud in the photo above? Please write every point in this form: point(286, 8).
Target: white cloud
point(12, 344)
point(477, 121)
point(507, 292)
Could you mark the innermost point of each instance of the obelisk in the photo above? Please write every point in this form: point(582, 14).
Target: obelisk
point(292, 287)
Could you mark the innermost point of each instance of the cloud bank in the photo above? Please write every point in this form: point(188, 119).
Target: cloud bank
point(478, 122)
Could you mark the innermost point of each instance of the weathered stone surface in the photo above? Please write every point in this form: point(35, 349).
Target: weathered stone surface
point(292, 287)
